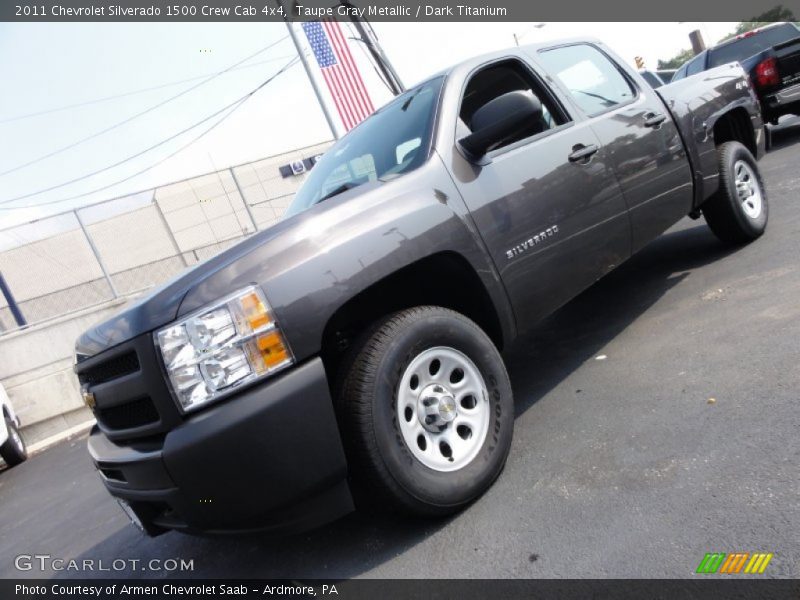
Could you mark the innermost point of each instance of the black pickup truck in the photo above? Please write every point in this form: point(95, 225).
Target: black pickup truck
point(350, 354)
point(771, 57)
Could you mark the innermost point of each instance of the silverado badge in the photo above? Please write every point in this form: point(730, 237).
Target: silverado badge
point(531, 242)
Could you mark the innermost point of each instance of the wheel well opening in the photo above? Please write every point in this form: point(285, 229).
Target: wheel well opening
point(445, 279)
point(735, 126)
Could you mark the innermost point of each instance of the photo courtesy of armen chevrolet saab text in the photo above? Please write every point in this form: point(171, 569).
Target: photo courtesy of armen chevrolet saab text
point(348, 357)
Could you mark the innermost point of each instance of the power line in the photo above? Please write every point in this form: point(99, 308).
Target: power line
point(133, 92)
point(231, 108)
point(120, 162)
point(139, 114)
point(140, 172)
point(233, 105)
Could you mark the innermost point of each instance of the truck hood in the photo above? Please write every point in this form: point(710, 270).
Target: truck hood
point(164, 304)
point(161, 305)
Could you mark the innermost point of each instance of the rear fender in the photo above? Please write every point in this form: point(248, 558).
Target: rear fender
point(697, 103)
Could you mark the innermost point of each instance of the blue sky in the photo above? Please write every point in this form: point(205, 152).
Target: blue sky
point(45, 66)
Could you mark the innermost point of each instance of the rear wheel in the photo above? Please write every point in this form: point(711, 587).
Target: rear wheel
point(427, 412)
point(738, 212)
point(13, 450)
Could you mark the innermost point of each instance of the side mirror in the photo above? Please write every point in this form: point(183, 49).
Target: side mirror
point(500, 118)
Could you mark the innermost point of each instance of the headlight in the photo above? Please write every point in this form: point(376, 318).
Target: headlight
point(221, 347)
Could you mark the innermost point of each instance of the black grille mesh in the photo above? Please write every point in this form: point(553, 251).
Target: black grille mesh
point(124, 364)
point(129, 415)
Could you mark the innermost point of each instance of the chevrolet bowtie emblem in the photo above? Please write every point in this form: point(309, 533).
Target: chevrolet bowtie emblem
point(89, 399)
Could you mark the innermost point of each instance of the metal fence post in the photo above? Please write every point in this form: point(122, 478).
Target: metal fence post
point(96, 254)
point(169, 230)
point(244, 200)
point(12, 303)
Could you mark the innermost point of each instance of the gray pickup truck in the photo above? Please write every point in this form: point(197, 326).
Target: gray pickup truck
point(350, 354)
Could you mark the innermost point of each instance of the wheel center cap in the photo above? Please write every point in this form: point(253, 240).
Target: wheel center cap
point(447, 408)
point(437, 407)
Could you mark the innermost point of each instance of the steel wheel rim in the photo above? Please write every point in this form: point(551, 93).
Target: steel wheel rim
point(748, 189)
point(443, 412)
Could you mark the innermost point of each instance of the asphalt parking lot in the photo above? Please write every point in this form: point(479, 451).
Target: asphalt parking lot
point(682, 440)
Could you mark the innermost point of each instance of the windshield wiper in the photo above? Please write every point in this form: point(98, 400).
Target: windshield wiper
point(347, 185)
point(408, 102)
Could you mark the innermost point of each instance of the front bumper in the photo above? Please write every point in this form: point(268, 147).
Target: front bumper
point(267, 459)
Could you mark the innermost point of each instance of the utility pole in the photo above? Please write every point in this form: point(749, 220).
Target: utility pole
point(311, 79)
point(698, 44)
point(696, 37)
point(371, 41)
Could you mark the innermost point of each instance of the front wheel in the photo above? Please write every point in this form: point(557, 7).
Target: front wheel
point(427, 412)
point(738, 212)
point(13, 450)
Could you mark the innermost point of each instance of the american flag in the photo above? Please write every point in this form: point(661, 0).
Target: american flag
point(339, 71)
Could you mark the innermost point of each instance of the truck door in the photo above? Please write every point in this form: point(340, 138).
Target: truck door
point(632, 123)
point(545, 201)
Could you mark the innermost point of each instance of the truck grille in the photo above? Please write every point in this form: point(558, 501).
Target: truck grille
point(131, 398)
point(127, 416)
point(119, 366)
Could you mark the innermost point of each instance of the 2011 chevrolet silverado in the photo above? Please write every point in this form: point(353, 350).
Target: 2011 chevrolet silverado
point(350, 354)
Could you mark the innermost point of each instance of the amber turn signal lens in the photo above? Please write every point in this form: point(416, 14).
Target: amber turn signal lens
point(254, 310)
point(272, 349)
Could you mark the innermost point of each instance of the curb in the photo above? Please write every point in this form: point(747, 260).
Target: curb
point(60, 437)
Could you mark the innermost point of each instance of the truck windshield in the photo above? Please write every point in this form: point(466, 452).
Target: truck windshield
point(752, 44)
point(391, 142)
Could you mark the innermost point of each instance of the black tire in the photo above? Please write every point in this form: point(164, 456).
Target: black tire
point(13, 450)
point(384, 473)
point(725, 211)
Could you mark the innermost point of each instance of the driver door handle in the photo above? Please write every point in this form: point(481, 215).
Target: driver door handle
point(654, 119)
point(580, 152)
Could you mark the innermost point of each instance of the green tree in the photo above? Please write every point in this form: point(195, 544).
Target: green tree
point(779, 13)
point(676, 61)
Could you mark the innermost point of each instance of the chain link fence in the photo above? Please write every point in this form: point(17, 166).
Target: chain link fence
point(85, 257)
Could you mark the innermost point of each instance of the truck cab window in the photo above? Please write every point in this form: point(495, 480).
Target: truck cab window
point(358, 170)
point(395, 140)
point(501, 78)
point(407, 150)
point(593, 81)
point(696, 65)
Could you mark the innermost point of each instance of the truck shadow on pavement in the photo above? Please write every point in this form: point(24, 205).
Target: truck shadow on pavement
point(575, 333)
point(537, 363)
point(785, 134)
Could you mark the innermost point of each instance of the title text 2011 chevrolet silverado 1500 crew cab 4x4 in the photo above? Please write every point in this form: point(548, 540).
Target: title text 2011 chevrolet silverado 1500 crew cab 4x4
point(350, 353)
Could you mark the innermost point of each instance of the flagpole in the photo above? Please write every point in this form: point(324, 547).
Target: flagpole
point(369, 39)
point(311, 79)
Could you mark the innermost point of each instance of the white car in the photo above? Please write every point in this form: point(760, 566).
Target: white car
point(12, 447)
